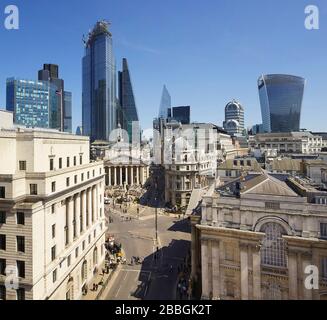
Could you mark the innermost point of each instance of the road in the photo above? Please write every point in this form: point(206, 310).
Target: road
point(154, 279)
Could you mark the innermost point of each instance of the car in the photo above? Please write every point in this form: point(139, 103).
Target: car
point(106, 201)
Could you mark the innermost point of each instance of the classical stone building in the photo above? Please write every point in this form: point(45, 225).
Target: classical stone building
point(52, 224)
point(252, 238)
point(290, 142)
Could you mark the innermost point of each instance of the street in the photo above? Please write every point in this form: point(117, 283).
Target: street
point(156, 277)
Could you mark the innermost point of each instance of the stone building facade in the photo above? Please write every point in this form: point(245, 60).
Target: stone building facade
point(52, 224)
point(252, 238)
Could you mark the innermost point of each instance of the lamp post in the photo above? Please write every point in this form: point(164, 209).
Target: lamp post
point(156, 210)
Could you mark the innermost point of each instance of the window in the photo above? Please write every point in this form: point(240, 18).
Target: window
point(67, 182)
point(323, 230)
point(84, 271)
point(82, 177)
point(2, 267)
point(20, 294)
point(100, 171)
point(324, 267)
point(69, 260)
point(76, 252)
point(89, 238)
point(22, 165)
point(248, 163)
point(68, 162)
point(2, 242)
point(53, 208)
point(74, 161)
point(83, 245)
point(2, 192)
point(60, 163)
point(51, 165)
point(21, 269)
point(93, 172)
point(53, 186)
point(53, 231)
point(20, 243)
point(54, 276)
point(75, 179)
point(235, 162)
point(3, 217)
point(33, 189)
point(20, 216)
point(88, 175)
point(80, 160)
point(53, 253)
point(272, 205)
point(95, 233)
point(2, 292)
point(273, 251)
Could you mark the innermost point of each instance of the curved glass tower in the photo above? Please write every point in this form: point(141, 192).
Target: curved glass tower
point(281, 102)
point(99, 84)
point(165, 104)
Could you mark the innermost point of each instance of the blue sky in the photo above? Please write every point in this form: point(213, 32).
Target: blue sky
point(207, 52)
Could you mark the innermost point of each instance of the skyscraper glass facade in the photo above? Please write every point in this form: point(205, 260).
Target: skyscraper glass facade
point(99, 109)
point(128, 110)
point(234, 118)
point(34, 103)
point(68, 112)
point(281, 99)
point(165, 104)
point(182, 114)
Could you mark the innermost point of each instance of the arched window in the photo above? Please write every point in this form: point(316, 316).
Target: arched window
point(95, 256)
point(84, 271)
point(273, 252)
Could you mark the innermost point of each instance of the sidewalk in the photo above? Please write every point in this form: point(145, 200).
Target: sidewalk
point(101, 280)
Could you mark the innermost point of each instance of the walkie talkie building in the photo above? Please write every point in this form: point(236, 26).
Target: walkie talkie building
point(281, 99)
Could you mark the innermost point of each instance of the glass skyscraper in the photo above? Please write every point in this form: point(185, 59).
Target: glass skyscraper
point(99, 109)
point(68, 112)
point(33, 103)
point(165, 104)
point(281, 102)
point(182, 114)
point(128, 110)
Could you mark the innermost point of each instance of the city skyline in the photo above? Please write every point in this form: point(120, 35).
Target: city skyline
point(236, 53)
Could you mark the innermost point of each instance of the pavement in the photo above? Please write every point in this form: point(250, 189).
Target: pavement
point(155, 278)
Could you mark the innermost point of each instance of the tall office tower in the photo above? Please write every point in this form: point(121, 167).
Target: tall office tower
point(182, 114)
point(99, 102)
point(68, 112)
point(128, 110)
point(33, 103)
point(165, 104)
point(234, 118)
point(50, 72)
point(281, 99)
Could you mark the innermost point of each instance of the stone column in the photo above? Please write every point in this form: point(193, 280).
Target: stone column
point(109, 172)
point(205, 269)
point(292, 275)
point(93, 204)
point(70, 220)
point(115, 176)
point(126, 175)
point(78, 214)
point(256, 261)
point(120, 176)
point(97, 201)
point(244, 272)
point(132, 172)
point(215, 270)
point(83, 211)
point(137, 175)
point(89, 206)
